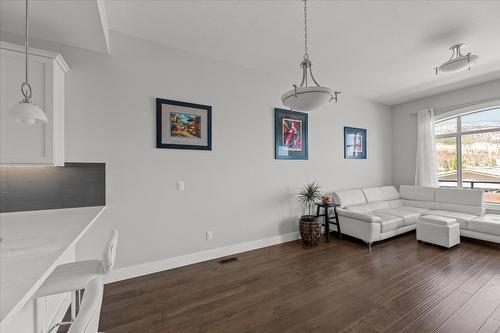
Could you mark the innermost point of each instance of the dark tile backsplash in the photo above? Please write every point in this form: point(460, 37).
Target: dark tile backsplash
point(48, 187)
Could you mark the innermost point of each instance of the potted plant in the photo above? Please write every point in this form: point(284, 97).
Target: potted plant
point(309, 226)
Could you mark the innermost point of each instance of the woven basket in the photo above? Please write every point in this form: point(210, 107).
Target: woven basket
point(310, 232)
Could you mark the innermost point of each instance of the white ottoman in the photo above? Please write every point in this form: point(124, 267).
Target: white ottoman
point(439, 230)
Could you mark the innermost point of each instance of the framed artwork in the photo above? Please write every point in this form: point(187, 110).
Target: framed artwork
point(354, 143)
point(181, 125)
point(290, 135)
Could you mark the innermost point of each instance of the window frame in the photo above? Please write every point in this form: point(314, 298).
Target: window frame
point(458, 139)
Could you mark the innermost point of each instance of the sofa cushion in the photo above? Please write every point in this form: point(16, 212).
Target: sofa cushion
point(462, 218)
point(398, 203)
point(408, 217)
point(473, 210)
point(373, 194)
point(388, 222)
point(488, 224)
point(390, 193)
point(419, 193)
point(349, 197)
point(368, 207)
point(459, 196)
point(417, 210)
point(420, 204)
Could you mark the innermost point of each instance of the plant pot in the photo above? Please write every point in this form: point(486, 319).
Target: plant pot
point(310, 230)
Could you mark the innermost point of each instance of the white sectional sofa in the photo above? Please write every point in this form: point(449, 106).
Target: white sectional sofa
point(373, 214)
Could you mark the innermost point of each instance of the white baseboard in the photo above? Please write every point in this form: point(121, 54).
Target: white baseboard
point(193, 258)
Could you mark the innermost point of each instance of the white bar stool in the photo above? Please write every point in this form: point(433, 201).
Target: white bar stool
point(87, 320)
point(73, 277)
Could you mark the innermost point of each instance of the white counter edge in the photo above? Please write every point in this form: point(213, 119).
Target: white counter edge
point(27, 297)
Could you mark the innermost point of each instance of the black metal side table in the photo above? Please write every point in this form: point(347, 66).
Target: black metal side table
point(329, 219)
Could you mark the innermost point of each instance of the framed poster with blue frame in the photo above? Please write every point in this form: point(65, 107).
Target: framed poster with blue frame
point(290, 135)
point(354, 143)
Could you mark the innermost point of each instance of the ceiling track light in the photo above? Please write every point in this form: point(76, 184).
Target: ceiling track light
point(457, 61)
point(305, 97)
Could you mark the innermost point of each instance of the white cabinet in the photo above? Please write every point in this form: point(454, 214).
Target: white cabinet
point(39, 143)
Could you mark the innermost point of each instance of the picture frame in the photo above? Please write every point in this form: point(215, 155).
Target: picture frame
point(290, 135)
point(355, 147)
point(183, 125)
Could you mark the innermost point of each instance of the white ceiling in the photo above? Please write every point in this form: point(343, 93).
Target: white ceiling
point(381, 50)
point(70, 22)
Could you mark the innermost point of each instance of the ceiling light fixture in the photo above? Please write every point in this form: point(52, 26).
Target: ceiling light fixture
point(304, 97)
point(26, 112)
point(458, 61)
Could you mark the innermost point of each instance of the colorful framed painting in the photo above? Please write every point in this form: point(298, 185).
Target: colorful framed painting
point(354, 143)
point(290, 135)
point(181, 125)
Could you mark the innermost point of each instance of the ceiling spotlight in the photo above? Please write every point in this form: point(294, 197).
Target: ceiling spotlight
point(458, 61)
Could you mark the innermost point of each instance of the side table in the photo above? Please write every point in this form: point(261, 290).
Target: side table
point(329, 219)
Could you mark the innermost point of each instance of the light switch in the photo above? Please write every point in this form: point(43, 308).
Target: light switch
point(180, 185)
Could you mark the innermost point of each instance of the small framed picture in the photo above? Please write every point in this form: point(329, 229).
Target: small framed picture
point(354, 143)
point(290, 138)
point(181, 125)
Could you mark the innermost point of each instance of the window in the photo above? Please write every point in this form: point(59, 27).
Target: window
point(468, 152)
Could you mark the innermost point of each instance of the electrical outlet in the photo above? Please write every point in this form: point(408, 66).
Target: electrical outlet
point(209, 235)
point(180, 185)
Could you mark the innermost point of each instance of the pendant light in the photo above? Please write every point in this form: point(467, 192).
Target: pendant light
point(26, 112)
point(457, 61)
point(305, 97)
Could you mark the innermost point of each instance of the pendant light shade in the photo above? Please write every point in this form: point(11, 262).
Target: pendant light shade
point(457, 61)
point(26, 112)
point(305, 97)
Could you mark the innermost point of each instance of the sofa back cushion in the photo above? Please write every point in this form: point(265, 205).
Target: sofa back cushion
point(349, 198)
point(390, 193)
point(459, 196)
point(383, 193)
point(373, 194)
point(474, 210)
point(369, 207)
point(418, 193)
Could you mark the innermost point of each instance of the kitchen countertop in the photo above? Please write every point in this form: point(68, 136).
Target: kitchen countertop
point(32, 245)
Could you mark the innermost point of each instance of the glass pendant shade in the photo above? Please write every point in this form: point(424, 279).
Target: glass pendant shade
point(27, 113)
point(306, 98)
point(458, 61)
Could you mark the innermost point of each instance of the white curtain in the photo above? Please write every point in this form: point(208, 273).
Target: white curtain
point(426, 168)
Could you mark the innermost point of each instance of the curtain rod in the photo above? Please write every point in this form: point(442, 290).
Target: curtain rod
point(463, 105)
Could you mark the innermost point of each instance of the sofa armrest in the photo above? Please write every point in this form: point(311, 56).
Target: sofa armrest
point(358, 216)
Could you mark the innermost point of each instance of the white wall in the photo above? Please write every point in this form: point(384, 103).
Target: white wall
point(238, 190)
point(404, 124)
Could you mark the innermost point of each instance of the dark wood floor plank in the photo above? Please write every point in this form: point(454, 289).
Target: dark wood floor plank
point(431, 320)
point(337, 286)
point(476, 311)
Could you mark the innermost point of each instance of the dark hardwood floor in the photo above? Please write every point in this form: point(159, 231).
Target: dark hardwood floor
point(401, 286)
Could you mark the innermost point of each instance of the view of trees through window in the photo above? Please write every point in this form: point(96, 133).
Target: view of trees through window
point(468, 152)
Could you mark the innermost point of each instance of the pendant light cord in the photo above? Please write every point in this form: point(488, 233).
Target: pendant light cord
point(25, 87)
point(306, 55)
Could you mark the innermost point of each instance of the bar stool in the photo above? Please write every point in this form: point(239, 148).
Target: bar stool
point(87, 320)
point(74, 277)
